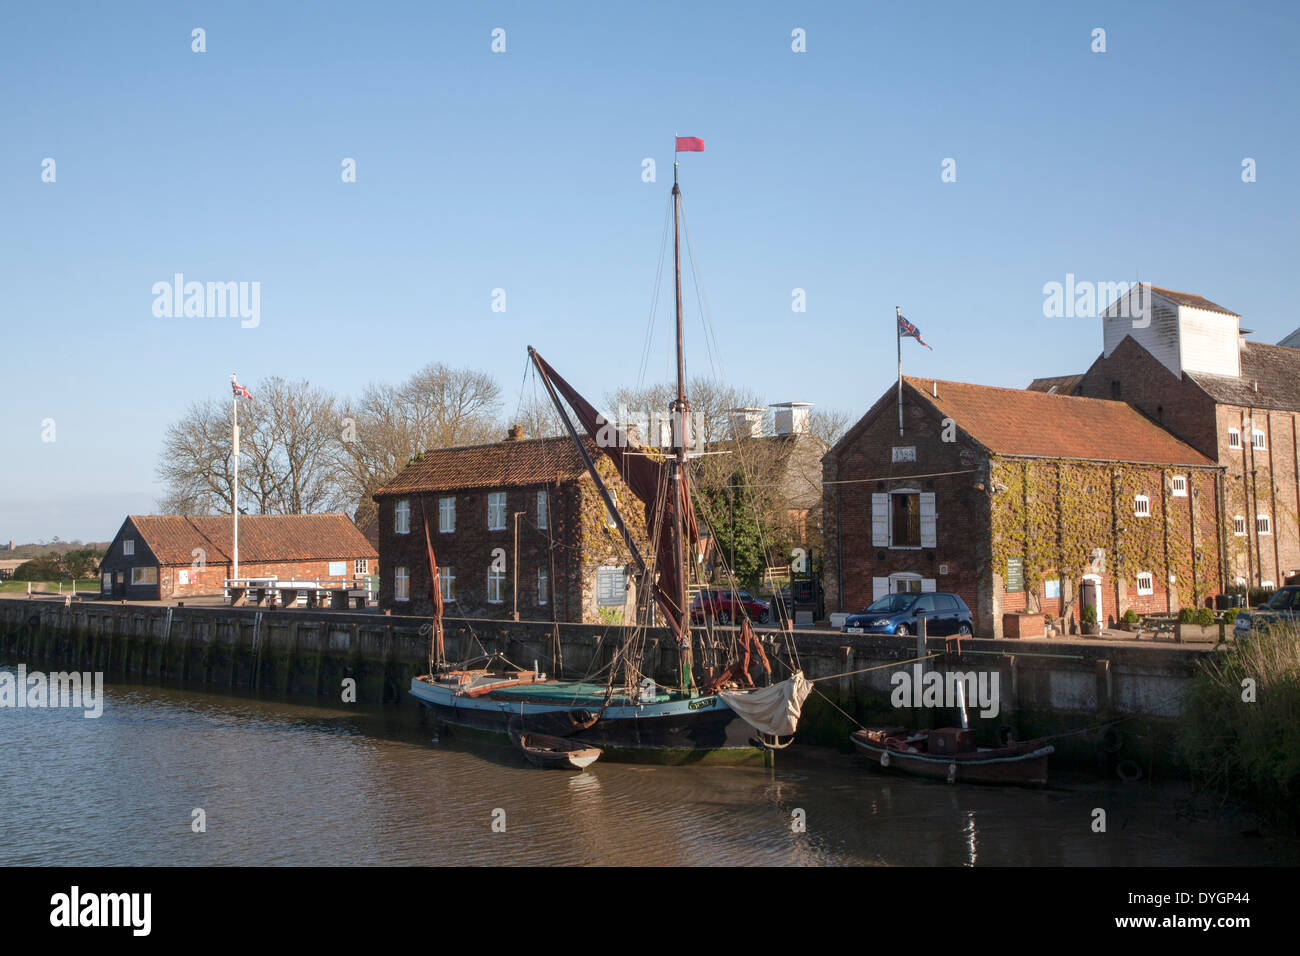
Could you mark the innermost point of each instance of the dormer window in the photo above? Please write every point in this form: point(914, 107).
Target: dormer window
point(1141, 506)
point(1234, 438)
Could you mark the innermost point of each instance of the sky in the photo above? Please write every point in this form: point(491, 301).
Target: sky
point(523, 171)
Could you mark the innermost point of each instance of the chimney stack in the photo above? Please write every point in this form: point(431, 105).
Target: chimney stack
point(791, 418)
point(516, 433)
point(746, 422)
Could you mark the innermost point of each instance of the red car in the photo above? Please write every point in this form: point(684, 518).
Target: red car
point(727, 606)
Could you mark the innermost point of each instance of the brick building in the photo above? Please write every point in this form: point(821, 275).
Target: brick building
point(160, 557)
point(1019, 500)
point(1188, 365)
point(515, 526)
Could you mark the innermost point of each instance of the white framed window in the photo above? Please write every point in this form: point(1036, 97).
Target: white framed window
point(144, 575)
point(1234, 438)
point(1263, 524)
point(402, 516)
point(128, 547)
point(106, 582)
point(1145, 583)
point(496, 587)
point(1257, 439)
point(401, 585)
point(542, 510)
point(1178, 484)
point(446, 515)
point(1142, 506)
point(1267, 585)
point(497, 511)
point(361, 566)
point(1239, 525)
point(543, 586)
point(447, 582)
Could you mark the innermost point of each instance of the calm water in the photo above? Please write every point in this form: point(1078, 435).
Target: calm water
point(289, 781)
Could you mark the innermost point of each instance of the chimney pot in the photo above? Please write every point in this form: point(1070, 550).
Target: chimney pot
point(516, 433)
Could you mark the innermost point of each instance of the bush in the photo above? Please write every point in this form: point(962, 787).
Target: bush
point(1130, 617)
point(1089, 615)
point(1187, 615)
point(1249, 748)
point(1205, 617)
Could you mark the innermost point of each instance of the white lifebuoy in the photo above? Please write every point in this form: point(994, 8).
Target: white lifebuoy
point(952, 773)
point(884, 759)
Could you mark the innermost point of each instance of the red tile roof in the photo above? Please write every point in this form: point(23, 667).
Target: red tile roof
point(502, 464)
point(262, 538)
point(1012, 421)
point(1191, 301)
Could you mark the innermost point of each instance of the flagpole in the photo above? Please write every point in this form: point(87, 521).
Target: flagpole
point(898, 336)
point(234, 441)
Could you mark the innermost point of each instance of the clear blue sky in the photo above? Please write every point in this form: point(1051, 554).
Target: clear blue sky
point(522, 171)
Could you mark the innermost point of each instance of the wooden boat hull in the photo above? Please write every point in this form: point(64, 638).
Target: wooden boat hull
point(669, 731)
point(1018, 764)
point(554, 753)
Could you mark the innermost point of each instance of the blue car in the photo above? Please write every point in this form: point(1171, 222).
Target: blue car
point(944, 614)
point(1283, 606)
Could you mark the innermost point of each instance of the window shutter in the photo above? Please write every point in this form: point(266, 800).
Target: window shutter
point(927, 584)
point(928, 536)
point(879, 588)
point(880, 521)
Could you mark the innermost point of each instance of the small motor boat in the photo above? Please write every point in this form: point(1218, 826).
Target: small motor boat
point(950, 754)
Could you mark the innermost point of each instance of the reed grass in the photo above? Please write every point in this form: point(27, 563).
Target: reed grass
point(1247, 747)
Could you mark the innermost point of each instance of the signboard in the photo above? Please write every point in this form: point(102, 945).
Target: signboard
point(338, 569)
point(904, 453)
point(1015, 575)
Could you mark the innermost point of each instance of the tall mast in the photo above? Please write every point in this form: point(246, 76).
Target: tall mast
point(679, 463)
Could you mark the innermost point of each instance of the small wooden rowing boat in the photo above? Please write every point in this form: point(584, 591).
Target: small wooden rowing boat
point(554, 753)
point(950, 754)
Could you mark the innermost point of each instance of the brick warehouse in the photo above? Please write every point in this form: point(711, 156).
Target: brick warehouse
point(1189, 366)
point(516, 526)
point(1019, 500)
point(160, 557)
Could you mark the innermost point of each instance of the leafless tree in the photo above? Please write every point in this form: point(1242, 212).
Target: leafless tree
point(437, 407)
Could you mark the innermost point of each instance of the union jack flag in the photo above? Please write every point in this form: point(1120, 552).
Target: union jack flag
point(239, 390)
point(908, 330)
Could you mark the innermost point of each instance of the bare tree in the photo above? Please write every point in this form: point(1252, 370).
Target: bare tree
point(437, 407)
point(287, 462)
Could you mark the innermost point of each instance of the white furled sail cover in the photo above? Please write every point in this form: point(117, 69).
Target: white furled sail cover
point(771, 710)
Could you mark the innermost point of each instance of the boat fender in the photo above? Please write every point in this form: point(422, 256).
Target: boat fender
point(1128, 771)
point(952, 773)
point(884, 759)
point(1111, 740)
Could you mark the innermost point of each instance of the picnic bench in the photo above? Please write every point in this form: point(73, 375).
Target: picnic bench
point(1158, 624)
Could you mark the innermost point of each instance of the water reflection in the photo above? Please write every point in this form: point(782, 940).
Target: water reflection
point(293, 781)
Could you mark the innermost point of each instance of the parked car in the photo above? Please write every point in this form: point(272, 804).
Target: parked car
point(944, 614)
point(727, 606)
point(1284, 605)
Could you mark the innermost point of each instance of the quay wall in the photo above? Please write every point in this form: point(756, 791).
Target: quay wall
point(1066, 689)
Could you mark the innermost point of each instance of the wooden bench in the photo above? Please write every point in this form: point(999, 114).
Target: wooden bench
point(1158, 624)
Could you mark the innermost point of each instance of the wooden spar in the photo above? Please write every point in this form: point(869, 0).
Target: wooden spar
point(676, 485)
point(591, 465)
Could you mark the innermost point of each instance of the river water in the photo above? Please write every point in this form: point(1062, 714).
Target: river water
point(285, 780)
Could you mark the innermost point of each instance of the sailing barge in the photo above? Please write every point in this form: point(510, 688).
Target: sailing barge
point(630, 716)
